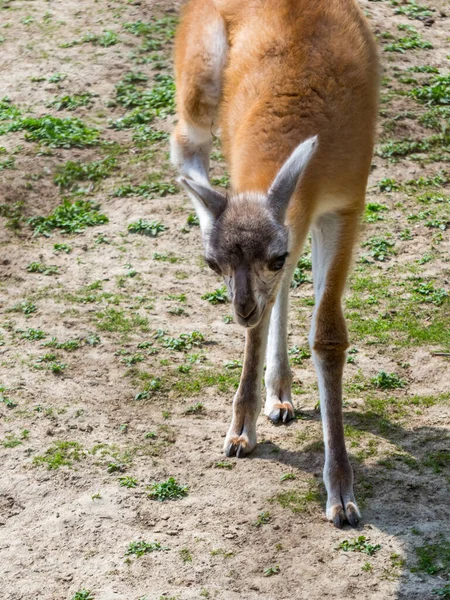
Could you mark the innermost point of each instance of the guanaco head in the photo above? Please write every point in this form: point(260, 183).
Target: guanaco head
point(245, 236)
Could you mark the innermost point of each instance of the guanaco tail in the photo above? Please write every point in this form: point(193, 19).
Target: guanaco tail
point(292, 87)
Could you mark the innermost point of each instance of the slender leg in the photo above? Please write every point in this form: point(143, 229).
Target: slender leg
point(241, 436)
point(278, 375)
point(333, 237)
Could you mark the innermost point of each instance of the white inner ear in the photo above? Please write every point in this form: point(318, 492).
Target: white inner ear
point(205, 216)
point(285, 182)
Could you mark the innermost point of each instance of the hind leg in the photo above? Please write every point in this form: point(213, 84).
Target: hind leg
point(200, 53)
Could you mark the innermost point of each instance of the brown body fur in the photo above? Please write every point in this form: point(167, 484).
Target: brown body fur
point(295, 69)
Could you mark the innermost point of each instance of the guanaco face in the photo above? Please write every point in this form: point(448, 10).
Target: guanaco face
point(245, 238)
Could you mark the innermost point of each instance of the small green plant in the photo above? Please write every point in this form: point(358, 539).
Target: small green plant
point(379, 248)
point(109, 38)
point(195, 409)
point(412, 41)
point(184, 342)
point(223, 464)
point(263, 519)
point(154, 188)
point(167, 490)
point(443, 592)
point(374, 212)
point(62, 248)
point(37, 267)
point(71, 102)
point(193, 221)
point(57, 77)
point(140, 548)
point(69, 218)
point(219, 296)
point(287, 477)
point(116, 467)
point(73, 171)
point(437, 460)
point(359, 544)
point(436, 93)
point(271, 571)
point(387, 381)
point(26, 307)
point(127, 481)
point(5, 400)
point(83, 595)
point(33, 334)
point(428, 293)
point(298, 355)
point(55, 132)
point(185, 555)
point(388, 185)
point(60, 454)
point(412, 10)
point(299, 276)
point(158, 101)
point(151, 228)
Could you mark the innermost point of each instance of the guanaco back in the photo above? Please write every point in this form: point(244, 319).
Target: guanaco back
point(292, 87)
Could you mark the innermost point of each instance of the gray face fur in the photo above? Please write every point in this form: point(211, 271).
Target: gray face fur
point(245, 238)
point(248, 247)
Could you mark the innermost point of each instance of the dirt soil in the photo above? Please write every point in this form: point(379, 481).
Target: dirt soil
point(107, 412)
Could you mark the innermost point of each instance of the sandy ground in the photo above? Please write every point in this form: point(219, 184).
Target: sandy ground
point(67, 529)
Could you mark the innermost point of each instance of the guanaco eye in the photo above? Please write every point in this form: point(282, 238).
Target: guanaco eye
point(277, 263)
point(213, 265)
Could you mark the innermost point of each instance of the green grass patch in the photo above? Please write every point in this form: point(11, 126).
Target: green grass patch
point(379, 248)
point(107, 39)
point(186, 341)
point(359, 544)
point(167, 490)
point(412, 9)
point(387, 381)
point(37, 267)
point(412, 41)
point(68, 174)
point(298, 501)
point(219, 296)
point(115, 320)
point(83, 594)
point(149, 228)
point(55, 132)
point(437, 92)
point(438, 460)
point(71, 102)
point(158, 101)
point(60, 454)
point(140, 548)
point(153, 188)
point(69, 217)
point(433, 558)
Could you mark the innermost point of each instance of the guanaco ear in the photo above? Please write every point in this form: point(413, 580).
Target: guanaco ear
point(208, 203)
point(285, 182)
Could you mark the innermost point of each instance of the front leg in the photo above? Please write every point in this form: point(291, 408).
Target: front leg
point(241, 436)
point(278, 377)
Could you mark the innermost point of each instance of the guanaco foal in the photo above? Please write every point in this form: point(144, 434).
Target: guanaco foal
point(292, 85)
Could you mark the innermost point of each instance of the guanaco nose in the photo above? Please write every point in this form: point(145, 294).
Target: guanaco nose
point(244, 301)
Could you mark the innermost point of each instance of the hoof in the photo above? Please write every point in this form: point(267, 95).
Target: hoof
point(282, 413)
